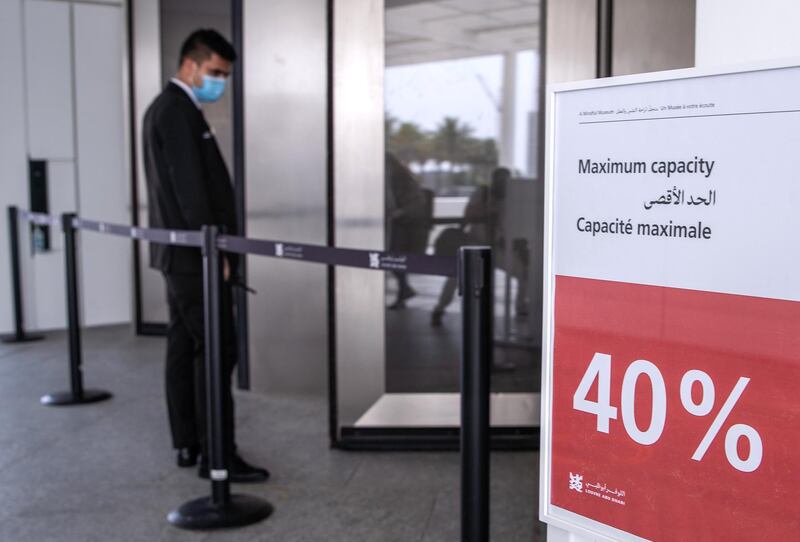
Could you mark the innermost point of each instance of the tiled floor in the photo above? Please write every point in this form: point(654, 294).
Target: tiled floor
point(106, 471)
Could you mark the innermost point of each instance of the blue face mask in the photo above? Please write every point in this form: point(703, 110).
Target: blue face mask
point(212, 89)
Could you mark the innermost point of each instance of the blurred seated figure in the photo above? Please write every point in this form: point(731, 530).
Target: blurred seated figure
point(409, 213)
point(483, 225)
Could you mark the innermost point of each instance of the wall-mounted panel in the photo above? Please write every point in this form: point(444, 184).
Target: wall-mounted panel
point(571, 47)
point(359, 200)
point(285, 63)
point(652, 35)
point(103, 188)
point(49, 112)
point(48, 77)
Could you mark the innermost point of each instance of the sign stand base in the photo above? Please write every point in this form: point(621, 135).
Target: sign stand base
point(202, 513)
point(24, 338)
point(67, 398)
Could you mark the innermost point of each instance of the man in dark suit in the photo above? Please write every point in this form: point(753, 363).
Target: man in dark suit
point(188, 187)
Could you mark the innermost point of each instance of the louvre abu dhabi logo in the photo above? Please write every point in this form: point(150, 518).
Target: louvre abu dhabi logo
point(374, 260)
point(600, 490)
point(576, 482)
point(294, 252)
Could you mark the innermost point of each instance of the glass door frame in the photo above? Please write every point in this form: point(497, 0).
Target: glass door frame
point(356, 298)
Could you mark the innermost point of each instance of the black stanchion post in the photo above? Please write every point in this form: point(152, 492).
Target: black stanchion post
point(19, 335)
point(77, 395)
point(221, 509)
point(477, 303)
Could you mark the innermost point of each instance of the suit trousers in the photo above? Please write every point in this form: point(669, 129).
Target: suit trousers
point(185, 366)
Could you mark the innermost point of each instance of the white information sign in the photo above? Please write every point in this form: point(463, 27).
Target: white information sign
point(671, 348)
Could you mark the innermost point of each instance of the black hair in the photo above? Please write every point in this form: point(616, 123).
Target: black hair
point(201, 43)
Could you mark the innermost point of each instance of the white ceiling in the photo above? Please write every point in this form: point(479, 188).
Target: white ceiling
point(428, 30)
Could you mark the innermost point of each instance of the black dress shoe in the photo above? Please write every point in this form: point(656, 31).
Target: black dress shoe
point(239, 471)
point(187, 457)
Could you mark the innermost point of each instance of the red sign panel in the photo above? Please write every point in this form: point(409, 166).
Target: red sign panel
point(676, 413)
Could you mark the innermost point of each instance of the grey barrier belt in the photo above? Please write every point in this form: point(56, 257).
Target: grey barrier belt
point(365, 259)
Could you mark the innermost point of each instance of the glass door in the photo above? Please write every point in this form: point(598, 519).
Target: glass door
point(461, 166)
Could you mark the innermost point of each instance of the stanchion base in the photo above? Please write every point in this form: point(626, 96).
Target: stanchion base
point(66, 398)
point(20, 338)
point(203, 514)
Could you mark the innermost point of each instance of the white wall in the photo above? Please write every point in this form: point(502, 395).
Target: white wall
point(65, 102)
point(739, 31)
point(99, 42)
point(13, 168)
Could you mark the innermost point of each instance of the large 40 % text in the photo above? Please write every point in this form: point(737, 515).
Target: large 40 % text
point(600, 370)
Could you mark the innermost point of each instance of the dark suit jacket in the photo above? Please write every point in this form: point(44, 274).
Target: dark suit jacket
point(188, 184)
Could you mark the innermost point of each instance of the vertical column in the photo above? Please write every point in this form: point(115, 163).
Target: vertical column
point(239, 182)
point(73, 317)
point(19, 334)
point(475, 284)
point(508, 109)
point(285, 75)
point(358, 201)
point(76, 395)
point(605, 37)
point(221, 509)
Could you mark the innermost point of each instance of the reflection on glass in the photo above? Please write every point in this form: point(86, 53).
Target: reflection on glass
point(461, 132)
point(409, 214)
point(483, 224)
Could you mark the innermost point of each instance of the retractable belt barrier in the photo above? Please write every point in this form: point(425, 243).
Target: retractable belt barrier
point(39, 219)
point(347, 257)
point(154, 235)
point(221, 508)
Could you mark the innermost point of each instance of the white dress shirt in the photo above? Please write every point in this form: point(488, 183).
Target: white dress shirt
point(187, 90)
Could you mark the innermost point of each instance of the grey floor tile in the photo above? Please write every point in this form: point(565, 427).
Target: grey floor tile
point(106, 471)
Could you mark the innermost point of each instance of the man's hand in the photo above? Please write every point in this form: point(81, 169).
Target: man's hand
point(226, 269)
